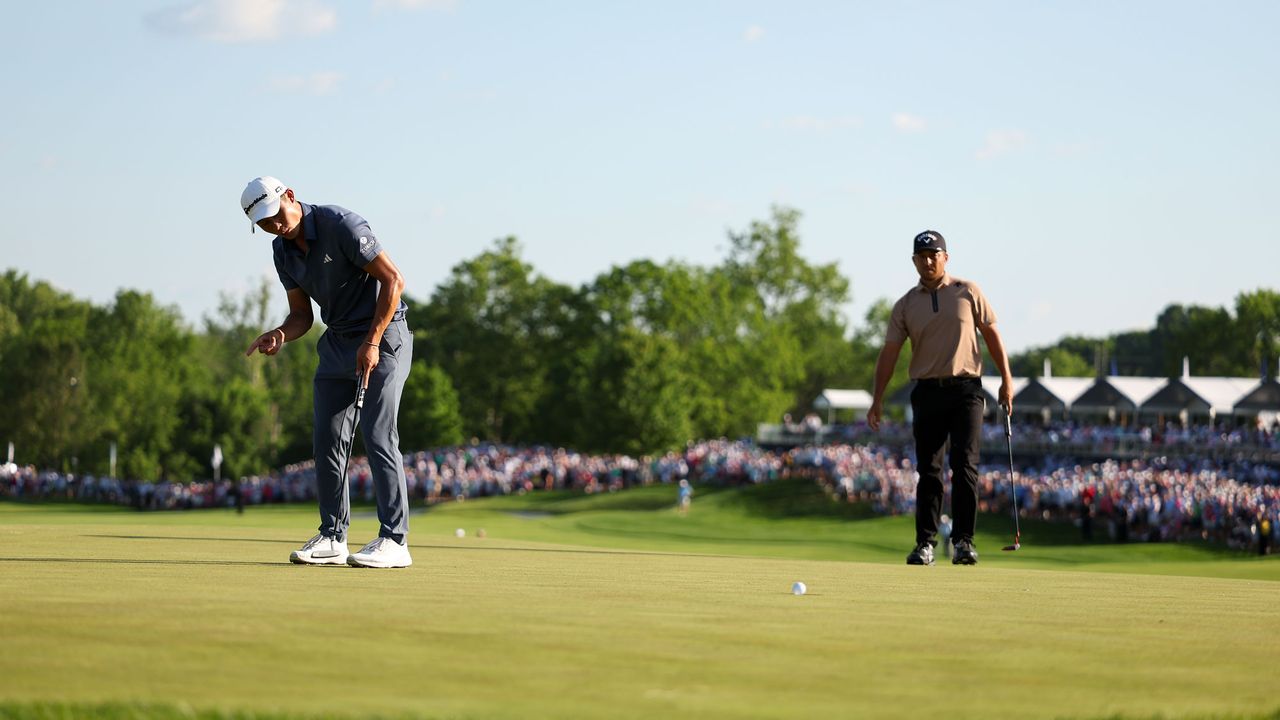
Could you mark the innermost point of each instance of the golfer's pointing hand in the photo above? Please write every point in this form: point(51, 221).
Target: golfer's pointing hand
point(268, 343)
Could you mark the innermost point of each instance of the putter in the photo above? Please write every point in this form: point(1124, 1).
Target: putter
point(1013, 491)
point(355, 423)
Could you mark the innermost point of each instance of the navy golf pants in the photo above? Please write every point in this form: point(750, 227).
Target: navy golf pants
point(335, 413)
point(947, 413)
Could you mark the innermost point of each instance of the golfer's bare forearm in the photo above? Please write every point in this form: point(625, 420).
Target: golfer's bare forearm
point(296, 325)
point(884, 368)
point(995, 345)
point(388, 302)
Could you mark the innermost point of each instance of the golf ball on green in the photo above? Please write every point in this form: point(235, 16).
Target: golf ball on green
point(799, 589)
point(460, 533)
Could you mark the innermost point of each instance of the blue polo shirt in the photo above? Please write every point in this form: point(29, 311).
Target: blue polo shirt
point(332, 271)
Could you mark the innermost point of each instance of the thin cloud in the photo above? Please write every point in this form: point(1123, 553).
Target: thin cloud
point(1001, 142)
point(244, 21)
point(753, 33)
point(321, 83)
point(908, 123)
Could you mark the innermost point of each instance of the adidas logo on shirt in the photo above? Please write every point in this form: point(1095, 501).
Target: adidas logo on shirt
point(327, 258)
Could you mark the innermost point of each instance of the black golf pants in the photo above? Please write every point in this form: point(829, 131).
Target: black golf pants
point(947, 413)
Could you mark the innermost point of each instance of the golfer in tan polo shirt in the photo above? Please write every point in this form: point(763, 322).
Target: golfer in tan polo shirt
point(942, 316)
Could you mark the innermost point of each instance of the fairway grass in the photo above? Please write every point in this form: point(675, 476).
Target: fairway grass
point(616, 607)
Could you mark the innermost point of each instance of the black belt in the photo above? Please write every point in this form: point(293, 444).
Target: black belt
point(349, 334)
point(947, 381)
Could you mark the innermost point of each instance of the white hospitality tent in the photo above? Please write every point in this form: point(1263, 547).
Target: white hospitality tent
point(1262, 403)
point(991, 386)
point(1116, 396)
point(1209, 397)
point(833, 399)
point(1188, 396)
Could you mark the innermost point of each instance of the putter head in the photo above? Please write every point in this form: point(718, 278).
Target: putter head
point(1011, 548)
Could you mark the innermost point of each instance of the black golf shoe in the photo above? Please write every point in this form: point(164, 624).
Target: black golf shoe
point(922, 555)
point(965, 554)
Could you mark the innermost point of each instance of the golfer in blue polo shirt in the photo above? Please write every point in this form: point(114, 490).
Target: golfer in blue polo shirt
point(328, 254)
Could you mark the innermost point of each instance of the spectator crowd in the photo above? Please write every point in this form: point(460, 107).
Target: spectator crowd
point(1170, 437)
point(1236, 503)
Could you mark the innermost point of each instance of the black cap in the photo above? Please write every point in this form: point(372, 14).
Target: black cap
point(930, 240)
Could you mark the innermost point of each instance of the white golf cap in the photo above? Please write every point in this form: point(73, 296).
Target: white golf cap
point(261, 198)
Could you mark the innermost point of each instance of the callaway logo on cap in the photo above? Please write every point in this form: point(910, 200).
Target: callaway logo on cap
point(929, 240)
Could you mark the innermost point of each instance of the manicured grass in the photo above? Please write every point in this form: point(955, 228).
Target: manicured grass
point(616, 606)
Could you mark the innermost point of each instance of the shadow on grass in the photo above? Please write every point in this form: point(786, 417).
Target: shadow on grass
point(209, 539)
point(164, 711)
point(417, 546)
point(127, 561)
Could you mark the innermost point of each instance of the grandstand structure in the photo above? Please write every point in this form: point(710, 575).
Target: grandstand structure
point(1125, 417)
point(1115, 399)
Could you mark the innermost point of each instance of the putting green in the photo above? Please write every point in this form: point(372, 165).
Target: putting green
point(615, 606)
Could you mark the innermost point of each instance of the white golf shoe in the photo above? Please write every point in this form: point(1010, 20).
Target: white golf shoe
point(320, 550)
point(381, 553)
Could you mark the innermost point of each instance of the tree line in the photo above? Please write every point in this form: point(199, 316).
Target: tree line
point(1239, 342)
point(640, 359)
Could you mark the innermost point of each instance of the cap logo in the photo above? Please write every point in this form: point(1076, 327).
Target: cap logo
point(364, 240)
point(256, 200)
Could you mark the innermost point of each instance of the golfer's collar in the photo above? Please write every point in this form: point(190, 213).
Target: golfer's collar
point(946, 280)
point(308, 223)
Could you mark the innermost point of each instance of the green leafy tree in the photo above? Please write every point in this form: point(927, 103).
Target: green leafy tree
point(1258, 323)
point(486, 327)
point(1203, 335)
point(43, 371)
point(865, 346)
point(282, 432)
point(1063, 362)
point(46, 389)
point(1133, 353)
point(142, 358)
point(795, 328)
point(430, 415)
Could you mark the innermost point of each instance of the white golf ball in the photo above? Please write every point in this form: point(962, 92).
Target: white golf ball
point(799, 589)
point(460, 533)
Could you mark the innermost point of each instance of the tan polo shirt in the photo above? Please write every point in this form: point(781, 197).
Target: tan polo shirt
point(942, 325)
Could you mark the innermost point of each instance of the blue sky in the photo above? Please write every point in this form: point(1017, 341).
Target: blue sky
point(1089, 163)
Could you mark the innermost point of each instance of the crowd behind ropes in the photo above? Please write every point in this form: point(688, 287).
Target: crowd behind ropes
point(1171, 436)
point(1168, 498)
